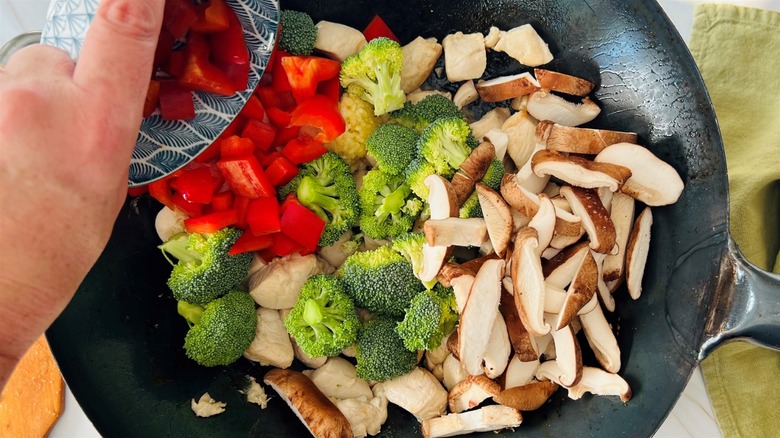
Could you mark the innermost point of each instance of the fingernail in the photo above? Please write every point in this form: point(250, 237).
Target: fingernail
point(133, 18)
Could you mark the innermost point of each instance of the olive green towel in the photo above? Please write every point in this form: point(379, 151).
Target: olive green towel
point(738, 52)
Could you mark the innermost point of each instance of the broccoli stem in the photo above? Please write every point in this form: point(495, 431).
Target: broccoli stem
point(312, 312)
point(456, 154)
point(321, 200)
point(317, 314)
point(177, 246)
point(394, 202)
point(191, 312)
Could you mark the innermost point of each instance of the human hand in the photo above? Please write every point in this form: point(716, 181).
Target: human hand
point(66, 137)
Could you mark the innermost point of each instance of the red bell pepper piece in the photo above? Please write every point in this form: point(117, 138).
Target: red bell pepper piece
point(279, 80)
point(253, 109)
point(152, 98)
point(199, 74)
point(302, 225)
point(322, 113)
point(222, 201)
point(267, 97)
point(248, 242)
point(176, 101)
point(378, 28)
point(281, 171)
point(178, 17)
point(289, 200)
point(161, 191)
point(268, 159)
point(137, 191)
point(262, 215)
point(241, 203)
point(214, 18)
point(246, 177)
point(330, 89)
point(212, 222)
point(196, 185)
point(164, 48)
point(236, 147)
point(262, 134)
point(284, 135)
point(305, 72)
point(303, 149)
point(177, 60)
point(189, 208)
point(229, 46)
point(279, 117)
point(284, 246)
point(237, 73)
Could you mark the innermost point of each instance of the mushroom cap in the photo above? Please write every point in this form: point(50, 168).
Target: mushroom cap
point(563, 83)
point(528, 397)
point(521, 340)
point(544, 105)
point(560, 270)
point(528, 282)
point(544, 222)
point(506, 87)
point(595, 219)
point(471, 392)
point(478, 161)
point(585, 140)
point(578, 171)
point(622, 215)
point(581, 290)
point(636, 252)
point(518, 197)
point(485, 419)
point(498, 218)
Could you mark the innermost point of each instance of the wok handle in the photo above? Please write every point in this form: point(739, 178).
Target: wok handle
point(747, 304)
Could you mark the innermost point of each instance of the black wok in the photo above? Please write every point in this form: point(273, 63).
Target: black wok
point(119, 341)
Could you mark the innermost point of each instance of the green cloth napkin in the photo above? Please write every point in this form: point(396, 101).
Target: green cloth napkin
point(738, 52)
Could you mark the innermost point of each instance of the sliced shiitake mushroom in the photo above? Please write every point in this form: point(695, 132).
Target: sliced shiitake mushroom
point(599, 382)
point(560, 270)
point(471, 392)
point(456, 231)
point(522, 200)
point(636, 252)
point(521, 340)
point(528, 282)
point(587, 205)
point(567, 352)
point(485, 419)
point(603, 290)
point(622, 216)
point(529, 397)
point(498, 349)
point(476, 320)
point(441, 197)
point(578, 171)
point(506, 87)
point(518, 372)
point(653, 181)
point(465, 95)
point(581, 290)
point(544, 105)
point(478, 161)
point(585, 140)
point(544, 222)
point(498, 218)
point(600, 338)
point(563, 83)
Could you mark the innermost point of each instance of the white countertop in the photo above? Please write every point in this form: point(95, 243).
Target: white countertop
point(691, 417)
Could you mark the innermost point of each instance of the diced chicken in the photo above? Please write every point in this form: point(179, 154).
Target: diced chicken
point(278, 285)
point(338, 41)
point(434, 359)
point(271, 345)
point(366, 416)
point(256, 394)
point(525, 45)
point(337, 379)
point(207, 406)
point(466, 94)
point(464, 56)
point(453, 371)
point(492, 119)
point(418, 392)
point(491, 39)
point(420, 57)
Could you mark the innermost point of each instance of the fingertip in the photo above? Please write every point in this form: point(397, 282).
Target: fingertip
point(136, 19)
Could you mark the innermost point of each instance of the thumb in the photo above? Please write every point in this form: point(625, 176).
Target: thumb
point(115, 61)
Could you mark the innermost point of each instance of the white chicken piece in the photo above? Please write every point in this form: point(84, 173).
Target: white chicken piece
point(492, 119)
point(525, 45)
point(453, 372)
point(271, 345)
point(418, 392)
point(337, 379)
point(169, 223)
point(366, 416)
point(420, 57)
point(491, 39)
point(434, 359)
point(278, 285)
point(311, 362)
point(207, 406)
point(338, 252)
point(338, 41)
point(255, 393)
point(466, 94)
point(464, 56)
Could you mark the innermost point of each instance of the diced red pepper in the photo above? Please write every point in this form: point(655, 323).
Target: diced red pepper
point(267, 97)
point(322, 113)
point(262, 215)
point(152, 98)
point(196, 185)
point(176, 101)
point(178, 17)
point(161, 191)
point(303, 149)
point(330, 89)
point(199, 74)
point(212, 222)
point(236, 147)
point(268, 159)
point(241, 203)
point(262, 134)
point(305, 72)
point(189, 208)
point(378, 28)
point(281, 171)
point(279, 117)
point(253, 109)
point(289, 200)
point(237, 73)
point(215, 18)
point(248, 242)
point(285, 100)
point(284, 135)
point(246, 177)
point(164, 48)
point(137, 191)
point(177, 61)
point(284, 246)
point(302, 225)
point(279, 81)
point(222, 201)
point(229, 46)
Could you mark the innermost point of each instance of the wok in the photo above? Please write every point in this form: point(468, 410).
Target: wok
point(119, 341)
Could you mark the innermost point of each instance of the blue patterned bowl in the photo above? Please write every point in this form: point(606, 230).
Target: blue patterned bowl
point(164, 146)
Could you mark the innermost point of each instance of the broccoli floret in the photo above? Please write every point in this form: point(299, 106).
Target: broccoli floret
point(221, 330)
point(494, 174)
point(431, 316)
point(387, 205)
point(381, 281)
point(205, 270)
point(380, 352)
point(421, 114)
point(324, 320)
point(445, 144)
point(297, 32)
point(410, 246)
point(393, 147)
point(416, 172)
point(326, 187)
point(471, 207)
point(374, 75)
